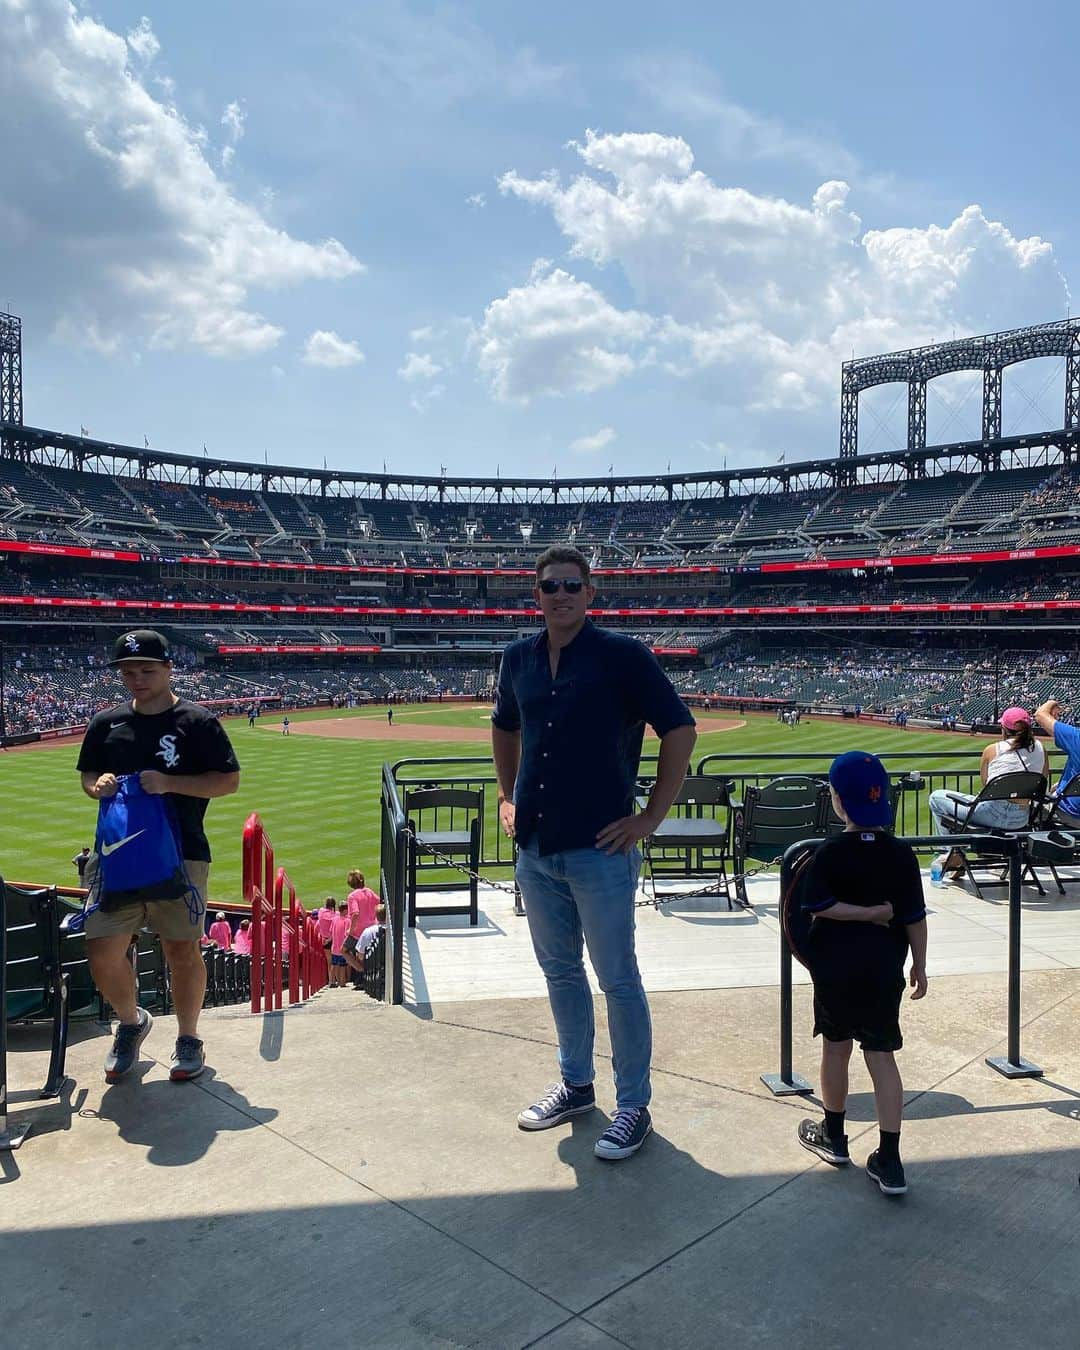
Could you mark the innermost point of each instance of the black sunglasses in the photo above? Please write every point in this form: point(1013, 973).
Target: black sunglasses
point(571, 585)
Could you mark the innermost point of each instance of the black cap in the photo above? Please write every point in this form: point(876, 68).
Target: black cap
point(141, 644)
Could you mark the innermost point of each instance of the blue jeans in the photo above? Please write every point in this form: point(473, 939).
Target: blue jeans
point(1002, 815)
point(584, 895)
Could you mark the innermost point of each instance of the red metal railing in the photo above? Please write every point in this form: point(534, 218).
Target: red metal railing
point(278, 931)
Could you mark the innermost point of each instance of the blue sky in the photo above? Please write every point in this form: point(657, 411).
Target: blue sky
point(540, 239)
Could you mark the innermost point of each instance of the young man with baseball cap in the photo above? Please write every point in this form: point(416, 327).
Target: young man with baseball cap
point(179, 750)
point(864, 892)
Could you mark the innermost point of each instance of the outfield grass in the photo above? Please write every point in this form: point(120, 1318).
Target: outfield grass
point(319, 798)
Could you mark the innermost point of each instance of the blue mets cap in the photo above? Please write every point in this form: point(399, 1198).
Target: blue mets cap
point(862, 784)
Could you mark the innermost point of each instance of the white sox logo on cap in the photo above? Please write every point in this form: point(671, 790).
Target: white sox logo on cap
point(131, 642)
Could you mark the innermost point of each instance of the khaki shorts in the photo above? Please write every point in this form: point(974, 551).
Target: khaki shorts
point(169, 919)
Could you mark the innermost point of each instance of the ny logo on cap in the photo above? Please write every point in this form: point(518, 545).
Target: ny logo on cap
point(131, 642)
point(874, 794)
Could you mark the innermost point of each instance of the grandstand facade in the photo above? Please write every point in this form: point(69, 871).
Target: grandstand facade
point(941, 579)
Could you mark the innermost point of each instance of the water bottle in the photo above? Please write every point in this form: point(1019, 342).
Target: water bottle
point(937, 872)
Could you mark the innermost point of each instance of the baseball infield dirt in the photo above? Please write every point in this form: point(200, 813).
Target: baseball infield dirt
point(376, 729)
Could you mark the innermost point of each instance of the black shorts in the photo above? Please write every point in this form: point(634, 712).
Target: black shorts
point(862, 1009)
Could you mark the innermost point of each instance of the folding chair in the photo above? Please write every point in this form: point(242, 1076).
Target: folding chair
point(455, 842)
point(771, 818)
point(1010, 787)
point(1054, 817)
point(33, 985)
point(703, 842)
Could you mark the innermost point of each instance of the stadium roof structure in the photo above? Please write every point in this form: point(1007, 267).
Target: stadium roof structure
point(990, 353)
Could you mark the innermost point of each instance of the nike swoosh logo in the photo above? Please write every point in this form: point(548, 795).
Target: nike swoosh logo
point(106, 849)
point(114, 725)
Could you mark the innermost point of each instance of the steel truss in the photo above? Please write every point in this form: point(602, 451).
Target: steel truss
point(990, 354)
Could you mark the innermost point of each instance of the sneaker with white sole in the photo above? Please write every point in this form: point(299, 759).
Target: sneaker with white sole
point(888, 1173)
point(629, 1128)
point(812, 1136)
point(189, 1059)
point(559, 1103)
point(124, 1054)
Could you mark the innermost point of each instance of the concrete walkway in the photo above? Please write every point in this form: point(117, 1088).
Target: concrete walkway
point(700, 944)
point(350, 1174)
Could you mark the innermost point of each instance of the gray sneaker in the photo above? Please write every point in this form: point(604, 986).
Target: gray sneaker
point(189, 1059)
point(124, 1054)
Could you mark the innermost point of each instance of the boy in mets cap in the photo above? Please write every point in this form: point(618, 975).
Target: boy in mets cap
point(864, 892)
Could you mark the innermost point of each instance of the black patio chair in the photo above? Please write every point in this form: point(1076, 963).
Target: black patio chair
point(33, 985)
point(453, 838)
point(772, 817)
point(698, 833)
point(1019, 788)
point(1053, 816)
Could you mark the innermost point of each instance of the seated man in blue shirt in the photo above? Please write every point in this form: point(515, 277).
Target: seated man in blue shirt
point(1067, 738)
point(567, 728)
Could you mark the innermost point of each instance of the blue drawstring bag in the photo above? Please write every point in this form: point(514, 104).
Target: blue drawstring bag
point(138, 854)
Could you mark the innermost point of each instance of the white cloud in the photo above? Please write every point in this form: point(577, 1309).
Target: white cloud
point(555, 335)
point(688, 90)
point(425, 334)
point(232, 119)
point(422, 399)
point(477, 200)
point(326, 348)
point(419, 366)
point(160, 251)
point(441, 56)
point(758, 298)
point(588, 445)
point(143, 41)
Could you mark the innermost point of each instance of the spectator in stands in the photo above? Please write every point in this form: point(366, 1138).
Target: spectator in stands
point(567, 726)
point(362, 900)
point(242, 938)
point(324, 920)
point(221, 932)
point(80, 860)
point(180, 751)
point(1067, 738)
point(1018, 751)
point(339, 931)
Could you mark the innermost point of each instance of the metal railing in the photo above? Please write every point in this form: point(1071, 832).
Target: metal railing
point(393, 862)
point(1011, 848)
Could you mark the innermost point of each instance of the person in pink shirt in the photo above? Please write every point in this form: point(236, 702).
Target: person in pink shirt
point(339, 931)
point(242, 938)
point(324, 920)
point(362, 901)
point(221, 932)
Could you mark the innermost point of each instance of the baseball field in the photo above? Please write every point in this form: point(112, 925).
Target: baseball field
point(317, 790)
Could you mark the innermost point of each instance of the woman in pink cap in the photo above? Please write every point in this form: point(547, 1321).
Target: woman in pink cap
point(1017, 752)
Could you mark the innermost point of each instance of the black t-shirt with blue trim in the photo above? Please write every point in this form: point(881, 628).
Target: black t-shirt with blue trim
point(185, 739)
point(862, 867)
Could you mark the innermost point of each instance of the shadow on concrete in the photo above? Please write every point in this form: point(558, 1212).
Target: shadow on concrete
point(273, 1034)
point(170, 1120)
point(934, 1105)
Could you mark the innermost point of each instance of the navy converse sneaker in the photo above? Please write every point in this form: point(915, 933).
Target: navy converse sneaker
point(812, 1136)
point(627, 1132)
point(121, 1059)
point(559, 1103)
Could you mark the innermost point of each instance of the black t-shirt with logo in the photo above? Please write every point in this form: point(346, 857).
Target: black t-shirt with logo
point(862, 867)
point(185, 739)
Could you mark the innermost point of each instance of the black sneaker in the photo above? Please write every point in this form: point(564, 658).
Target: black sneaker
point(812, 1136)
point(124, 1054)
point(188, 1059)
point(558, 1103)
point(629, 1129)
point(888, 1173)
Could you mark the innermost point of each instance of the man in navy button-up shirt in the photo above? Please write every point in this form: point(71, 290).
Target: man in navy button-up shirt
point(567, 728)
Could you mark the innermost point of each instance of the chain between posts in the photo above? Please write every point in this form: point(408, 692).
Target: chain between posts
point(718, 888)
